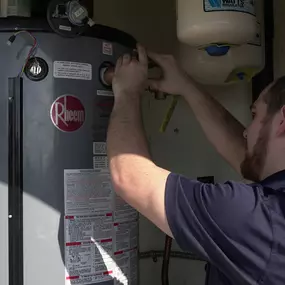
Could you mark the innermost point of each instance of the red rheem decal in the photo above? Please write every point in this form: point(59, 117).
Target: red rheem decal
point(67, 113)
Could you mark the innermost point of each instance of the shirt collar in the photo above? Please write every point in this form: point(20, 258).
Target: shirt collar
point(275, 181)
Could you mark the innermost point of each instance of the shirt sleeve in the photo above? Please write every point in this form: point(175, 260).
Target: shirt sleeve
point(226, 224)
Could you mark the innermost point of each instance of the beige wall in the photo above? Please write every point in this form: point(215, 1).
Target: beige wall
point(150, 22)
point(188, 152)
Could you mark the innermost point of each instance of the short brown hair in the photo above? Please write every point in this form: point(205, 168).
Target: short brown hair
point(275, 97)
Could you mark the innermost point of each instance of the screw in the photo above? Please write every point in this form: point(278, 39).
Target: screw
point(176, 131)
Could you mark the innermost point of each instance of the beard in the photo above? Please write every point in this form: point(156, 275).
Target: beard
point(253, 165)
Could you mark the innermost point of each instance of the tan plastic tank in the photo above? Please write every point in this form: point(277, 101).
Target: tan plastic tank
point(239, 64)
point(204, 22)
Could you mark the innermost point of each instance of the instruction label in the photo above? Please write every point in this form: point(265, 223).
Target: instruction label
point(72, 70)
point(100, 162)
point(126, 236)
point(107, 48)
point(127, 270)
point(99, 247)
point(87, 191)
point(100, 148)
point(106, 93)
point(245, 6)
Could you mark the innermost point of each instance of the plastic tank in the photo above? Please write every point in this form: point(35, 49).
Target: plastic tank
point(240, 63)
point(204, 22)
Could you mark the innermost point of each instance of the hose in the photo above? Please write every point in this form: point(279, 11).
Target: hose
point(166, 259)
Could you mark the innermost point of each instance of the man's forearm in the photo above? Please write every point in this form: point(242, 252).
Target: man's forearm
point(126, 134)
point(128, 149)
point(220, 127)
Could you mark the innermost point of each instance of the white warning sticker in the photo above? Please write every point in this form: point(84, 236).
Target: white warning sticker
point(245, 6)
point(88, 228)
point(107, 48)
point(87, 191)
point(100, 162)
point(65, 28)
point(97, 247)
point(100, 148)
point(126, 271)
point(126, 235)
point(89, 262)
point(72, 70)
point(106, 93)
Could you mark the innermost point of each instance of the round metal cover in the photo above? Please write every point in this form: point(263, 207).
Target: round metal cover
point(36, 69)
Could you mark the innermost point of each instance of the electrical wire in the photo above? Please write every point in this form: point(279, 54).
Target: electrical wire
point(32, 51)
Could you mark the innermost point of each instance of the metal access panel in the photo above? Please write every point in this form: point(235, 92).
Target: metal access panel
point(72, 228)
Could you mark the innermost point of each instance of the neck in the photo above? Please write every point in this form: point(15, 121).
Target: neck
point(275, 163)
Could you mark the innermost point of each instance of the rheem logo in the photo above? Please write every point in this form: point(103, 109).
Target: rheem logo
point(67, 113)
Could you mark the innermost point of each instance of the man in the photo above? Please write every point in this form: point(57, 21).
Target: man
point(238, 228)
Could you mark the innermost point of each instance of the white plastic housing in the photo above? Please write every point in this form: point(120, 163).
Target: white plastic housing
point(203, 22)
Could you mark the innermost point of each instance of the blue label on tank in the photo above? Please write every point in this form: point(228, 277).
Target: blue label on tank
point(245, 6)
point(215, 3)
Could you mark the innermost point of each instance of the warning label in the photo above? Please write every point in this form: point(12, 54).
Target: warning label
point(107, 48)
point(87, 228)
point(100, 148)
point(106, 93)
point(87, 191)
point(245, 6)
point(98, 246)
point(126, 236)
point(72, 70)
point(127, 267)
point(100, 162)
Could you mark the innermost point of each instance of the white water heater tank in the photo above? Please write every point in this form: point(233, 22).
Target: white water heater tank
point(206, 22)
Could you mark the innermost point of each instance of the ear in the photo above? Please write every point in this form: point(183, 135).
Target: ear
point(281, 118)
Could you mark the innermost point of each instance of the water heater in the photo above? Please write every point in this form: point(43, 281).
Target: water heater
point(60, 218)
point(207, 22)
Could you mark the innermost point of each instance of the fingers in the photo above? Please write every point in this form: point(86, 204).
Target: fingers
point(126, 59)
point(156, 57)
point(119, 63)
point(143, 59)
point(154, 84)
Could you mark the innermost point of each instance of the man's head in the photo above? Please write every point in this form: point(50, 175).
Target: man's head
point(266, 134)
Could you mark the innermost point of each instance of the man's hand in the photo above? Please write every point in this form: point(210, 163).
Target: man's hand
point(131, 74)
point(175, 80)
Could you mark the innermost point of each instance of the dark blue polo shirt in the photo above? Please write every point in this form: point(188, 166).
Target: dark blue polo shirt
point(238, 228)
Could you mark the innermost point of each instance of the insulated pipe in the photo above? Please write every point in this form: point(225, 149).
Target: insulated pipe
point(107, 75)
